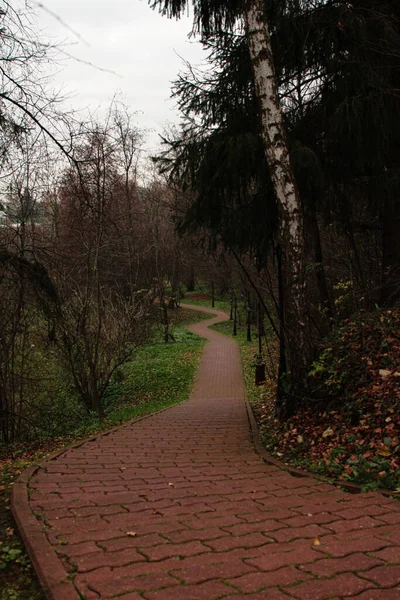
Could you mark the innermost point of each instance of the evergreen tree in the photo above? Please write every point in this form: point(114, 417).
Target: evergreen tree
point(214, 18)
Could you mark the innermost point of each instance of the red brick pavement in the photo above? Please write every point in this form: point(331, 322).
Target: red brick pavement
point(179, 506)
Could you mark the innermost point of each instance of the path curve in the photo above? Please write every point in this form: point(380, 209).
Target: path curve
point(178, 506)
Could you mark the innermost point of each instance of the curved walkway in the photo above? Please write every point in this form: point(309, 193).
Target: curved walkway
point(178, 506)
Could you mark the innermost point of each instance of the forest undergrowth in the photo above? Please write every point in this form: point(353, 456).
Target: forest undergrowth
point(348, 429)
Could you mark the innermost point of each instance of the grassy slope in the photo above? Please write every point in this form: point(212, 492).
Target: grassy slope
point(204, 300)
point(159, 376)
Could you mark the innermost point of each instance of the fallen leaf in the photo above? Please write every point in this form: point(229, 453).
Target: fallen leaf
point(157, 512)
point(328, 432)
point(122, 468)
point(384, 373)
point(316, 541)
point(171, 484)
point(9, 532)
point(131, 533)
point(384, 451)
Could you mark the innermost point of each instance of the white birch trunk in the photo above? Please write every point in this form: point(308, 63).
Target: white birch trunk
point(290, 210)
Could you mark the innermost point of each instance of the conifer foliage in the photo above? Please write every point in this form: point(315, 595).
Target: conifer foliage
point(212, 18)
point(317, 81)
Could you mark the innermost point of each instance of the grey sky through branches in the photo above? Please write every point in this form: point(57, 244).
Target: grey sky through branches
point(124, 37)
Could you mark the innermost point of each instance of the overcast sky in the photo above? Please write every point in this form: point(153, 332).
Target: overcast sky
point(125, 36)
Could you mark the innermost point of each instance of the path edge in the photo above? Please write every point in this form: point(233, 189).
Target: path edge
point(267, 457)
point(58, 585)
point(51, 574)
point(351, 488)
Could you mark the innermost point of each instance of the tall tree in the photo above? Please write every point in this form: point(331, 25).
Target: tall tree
point(213, 18)
point(291, 226)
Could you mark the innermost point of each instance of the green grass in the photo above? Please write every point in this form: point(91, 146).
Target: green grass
point(159, 375)
point(186, 316)
point(220, 304)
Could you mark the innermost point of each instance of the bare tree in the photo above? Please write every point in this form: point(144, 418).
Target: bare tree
point(100, 324)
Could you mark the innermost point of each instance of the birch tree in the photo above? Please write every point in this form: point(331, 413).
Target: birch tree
point(291, 216)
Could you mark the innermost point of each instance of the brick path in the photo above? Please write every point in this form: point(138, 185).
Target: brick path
point(180, 507)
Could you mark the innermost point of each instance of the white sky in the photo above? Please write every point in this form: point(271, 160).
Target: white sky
point(129, 38)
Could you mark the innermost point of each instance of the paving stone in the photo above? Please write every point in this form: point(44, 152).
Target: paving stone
point(279, 556)
point(330, 566)
point(310, 519)
point(384, 576)
point(221, 570)
point(355, 513)
point(270, 594)
point(129, 596)
point(366, 522)
point(121, 585)
point(392, 517)
point(79, 549)
point(393, 594)
point(344, 586)
point(188, 535)
point(211, 590)
point(241, 541)
point(171, 550)
point(292, 533)
point(89, 562)
point(259, 526)
point(254, 582)
point(130, 541)
point(339, 548)
point(389, 555)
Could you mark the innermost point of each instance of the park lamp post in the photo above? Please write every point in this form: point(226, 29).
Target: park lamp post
point(249, 322)
point(234, 316)
point(231, 314)
point(260, 364)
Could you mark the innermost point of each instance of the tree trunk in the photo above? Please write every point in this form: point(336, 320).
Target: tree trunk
point(190, 282)
point(320, 274)
point(291, 230)
point(283, 409)
point(390, 219)
point(94, 392)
